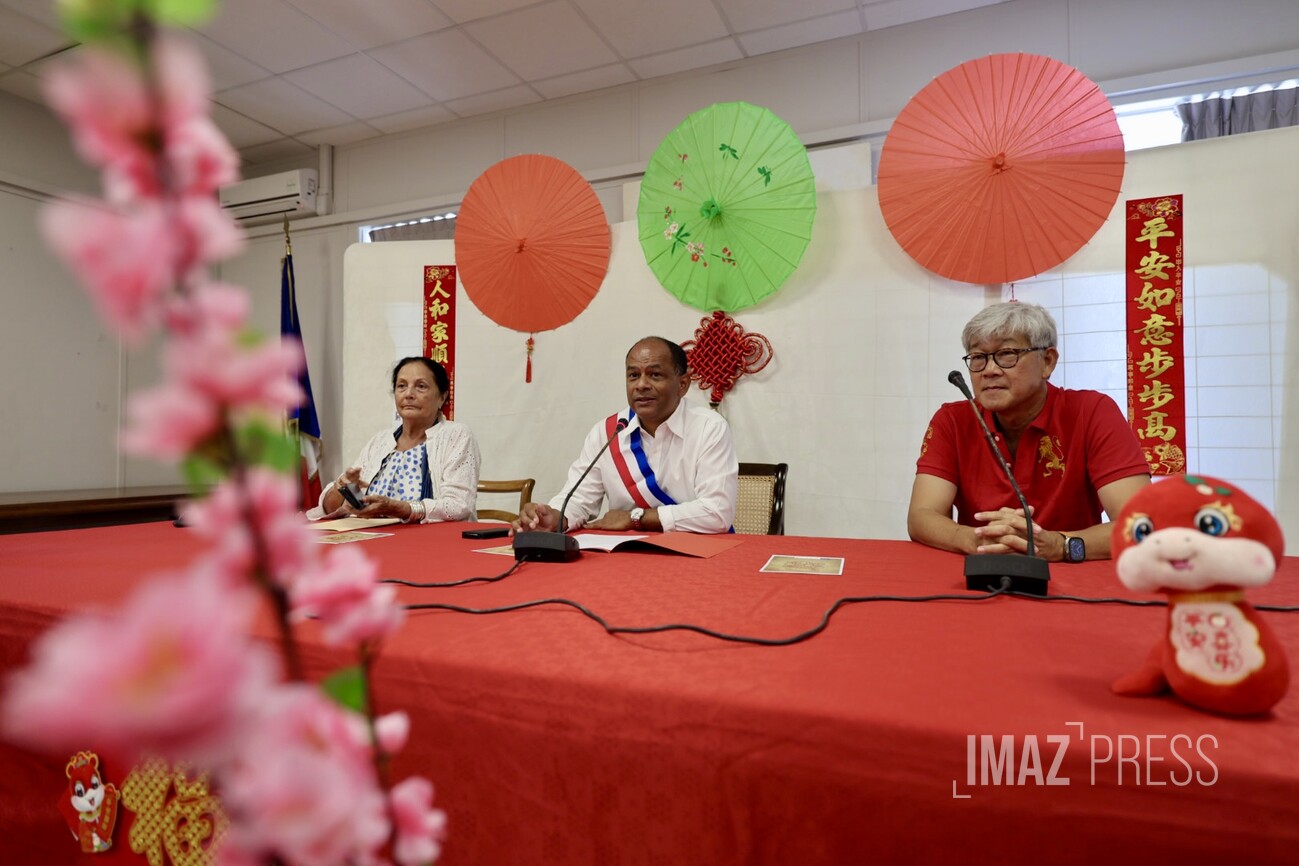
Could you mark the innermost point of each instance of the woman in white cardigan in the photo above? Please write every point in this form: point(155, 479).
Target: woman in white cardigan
point(425, 471)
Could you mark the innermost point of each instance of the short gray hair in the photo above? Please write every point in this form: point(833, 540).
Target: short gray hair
point(1010, 319)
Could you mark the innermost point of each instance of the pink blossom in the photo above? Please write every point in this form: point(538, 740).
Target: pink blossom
point(103, 99)
point(207, 233)
point(392, 731)
point(182, 80)
point(217, 363)
point(212, 376)
point(171, 671)
point(265, 502)
point(168, 422)
point(147, 141)
point(124, 258)
point(129, 258)
point(420, 827)
point(345, 596)
point(304, 788)
point(209, 305)
point(200, 157)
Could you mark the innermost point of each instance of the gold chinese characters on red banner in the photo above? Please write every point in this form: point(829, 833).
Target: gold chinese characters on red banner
point(440, 324)
point(1156, 359)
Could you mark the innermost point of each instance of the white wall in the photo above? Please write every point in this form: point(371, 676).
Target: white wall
point(864, 339)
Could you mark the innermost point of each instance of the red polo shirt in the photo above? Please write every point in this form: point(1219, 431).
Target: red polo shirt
point(1077, 444)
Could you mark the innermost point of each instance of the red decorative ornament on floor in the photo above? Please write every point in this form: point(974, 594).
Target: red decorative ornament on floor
point(722, 352)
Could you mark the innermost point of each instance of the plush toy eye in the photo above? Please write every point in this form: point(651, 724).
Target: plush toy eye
point(1142, 526)
point(79, 790)
point(1211, 521)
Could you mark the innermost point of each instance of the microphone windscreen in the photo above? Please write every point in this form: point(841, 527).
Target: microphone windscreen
point(958, 380)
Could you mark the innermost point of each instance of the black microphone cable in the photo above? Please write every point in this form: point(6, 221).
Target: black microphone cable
point(707, 632)
point(464, 582)
point(1002, 590)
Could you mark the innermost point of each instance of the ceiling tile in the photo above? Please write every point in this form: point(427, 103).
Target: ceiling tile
point(748, 15)
point(24, 39)
point(801, 33)
point(360, 86)
point(497, 100)
point(461, 11)
point(445, 65)
point(408, 120)
point(365, 27)
point(241, 131)
point(284, 148)
point(226, 68)
point(40, 10)
point(720, 51)
point(636, 32)
point(281, 106)
point(890, 13)
point(582, 82)
point(348, 133)
point(23, 84)
point(273, 34)
point(526, 41)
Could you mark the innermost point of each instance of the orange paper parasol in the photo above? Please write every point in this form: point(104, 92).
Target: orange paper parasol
point(1001, 168)
point(532, 243)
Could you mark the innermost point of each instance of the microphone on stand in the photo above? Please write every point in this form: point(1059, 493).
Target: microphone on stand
point(557, 546)
point(984, 571)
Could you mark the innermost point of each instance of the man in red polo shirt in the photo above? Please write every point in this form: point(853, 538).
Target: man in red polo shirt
point(1072, 452)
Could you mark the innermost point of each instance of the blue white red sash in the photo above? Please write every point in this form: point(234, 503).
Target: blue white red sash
point(628, 454)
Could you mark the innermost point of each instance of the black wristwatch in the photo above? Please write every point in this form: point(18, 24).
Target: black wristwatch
point(1074, 548)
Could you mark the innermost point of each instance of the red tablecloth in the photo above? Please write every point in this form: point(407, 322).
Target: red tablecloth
point(550, 741)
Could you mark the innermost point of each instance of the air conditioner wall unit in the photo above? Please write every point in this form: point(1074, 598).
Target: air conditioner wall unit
point(260, 200)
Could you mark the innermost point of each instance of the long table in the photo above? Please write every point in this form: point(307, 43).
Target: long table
point(938, 731)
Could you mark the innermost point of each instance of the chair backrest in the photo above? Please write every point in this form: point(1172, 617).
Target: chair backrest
point(760, 503)
point(522, 486)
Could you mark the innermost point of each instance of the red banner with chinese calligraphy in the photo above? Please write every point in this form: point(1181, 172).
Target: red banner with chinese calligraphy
point(1156, 359)
point(440, 324)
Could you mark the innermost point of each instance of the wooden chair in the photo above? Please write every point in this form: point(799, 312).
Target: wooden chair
point(760, 503)
point(521, 486)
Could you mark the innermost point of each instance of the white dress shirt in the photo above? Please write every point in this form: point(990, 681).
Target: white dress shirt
point(693, 458)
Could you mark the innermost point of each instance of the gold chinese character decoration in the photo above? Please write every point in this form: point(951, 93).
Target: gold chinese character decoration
point(178, 821)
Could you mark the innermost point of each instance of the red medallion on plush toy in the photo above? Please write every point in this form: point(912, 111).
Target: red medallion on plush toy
point(1203, 542)
point(89, 806)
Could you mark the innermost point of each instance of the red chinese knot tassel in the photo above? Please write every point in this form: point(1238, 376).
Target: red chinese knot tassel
point(531, 343)
point(722, 351)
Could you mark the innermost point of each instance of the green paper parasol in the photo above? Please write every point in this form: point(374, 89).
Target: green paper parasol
point(726, 207)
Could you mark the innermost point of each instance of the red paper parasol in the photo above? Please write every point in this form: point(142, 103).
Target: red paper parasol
point(532, 243)
point(1001, 168)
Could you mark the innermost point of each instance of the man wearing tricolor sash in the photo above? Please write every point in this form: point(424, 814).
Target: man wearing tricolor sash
point(672, 467)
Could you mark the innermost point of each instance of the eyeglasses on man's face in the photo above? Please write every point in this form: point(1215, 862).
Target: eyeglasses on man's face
point(1005, 358)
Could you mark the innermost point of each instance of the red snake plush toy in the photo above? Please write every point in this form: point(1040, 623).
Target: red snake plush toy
point(1203, 542)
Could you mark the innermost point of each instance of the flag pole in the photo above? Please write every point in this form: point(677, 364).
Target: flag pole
point(290, 421)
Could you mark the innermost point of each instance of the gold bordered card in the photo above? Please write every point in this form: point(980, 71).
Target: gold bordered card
point(503, 550)
point(784, 564)
point(343, 524)
point(345, 537)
